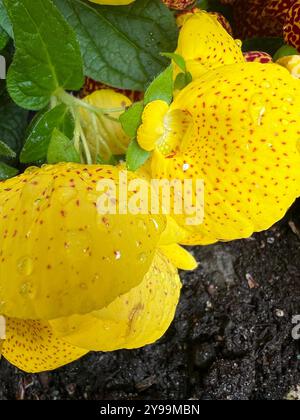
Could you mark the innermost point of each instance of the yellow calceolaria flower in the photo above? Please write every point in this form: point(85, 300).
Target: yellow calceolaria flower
point(80, 280)
point(104, 133)
point(236, 127)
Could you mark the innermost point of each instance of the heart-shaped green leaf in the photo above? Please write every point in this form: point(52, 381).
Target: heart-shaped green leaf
point(47, 53)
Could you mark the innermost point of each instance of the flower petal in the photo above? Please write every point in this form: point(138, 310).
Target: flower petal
point(152, 128)
point(134, 320)
point(70, 256)
point(181, 258)
point(205, 44)
point(244, 145)
point(32, 346)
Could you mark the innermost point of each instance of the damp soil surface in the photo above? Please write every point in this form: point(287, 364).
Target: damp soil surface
point(231, 339)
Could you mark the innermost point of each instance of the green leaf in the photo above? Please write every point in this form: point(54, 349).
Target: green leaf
point(285, 51)
point(178, 59)
point(132, 118)
point(182, 80)
point(61, 149)
point(4, 20)
point(136, 156)
point(40, 134)
point(121, 45)
point(4, 38)
point(6, 151)
point(266, 44)
point(47, 53)
point(161, 88)
point(13, 123)
point(7, 171)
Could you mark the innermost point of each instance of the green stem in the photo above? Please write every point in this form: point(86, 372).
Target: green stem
point(71, 100)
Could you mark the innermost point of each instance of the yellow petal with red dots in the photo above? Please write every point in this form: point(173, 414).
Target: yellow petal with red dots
point(205, 44)
point(136, 319)
point(32, 346)
point(105, 136)
point(244, 144)
point(60, 253)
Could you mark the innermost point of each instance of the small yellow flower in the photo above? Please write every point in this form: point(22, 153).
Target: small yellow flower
point(240, 136)
point(80, 280)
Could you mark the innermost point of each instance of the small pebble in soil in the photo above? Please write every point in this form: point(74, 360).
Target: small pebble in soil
point(279, 313)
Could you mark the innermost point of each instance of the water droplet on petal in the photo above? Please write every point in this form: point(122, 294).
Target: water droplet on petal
point(266, 85)
point(118, 255)
point(78, 243)
point(257, 109)
point(142, 258)
point(27, 290)
point(31, 170)
point(25, 266)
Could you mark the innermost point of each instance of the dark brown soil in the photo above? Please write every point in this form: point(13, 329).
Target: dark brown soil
point(231, 338)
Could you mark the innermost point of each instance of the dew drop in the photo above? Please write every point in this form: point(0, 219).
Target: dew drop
point(257, 109)
point(27, 290)
point(78, 243)
point(142, 258)
point(25, 266)
point(266, 85)
point(118, 255)
point(141, 224)
point(289, 99)
point(104, 223)
point(65, 195)
point(96, 278)
point(185, 167)
point(47, 168)
point(31, 170)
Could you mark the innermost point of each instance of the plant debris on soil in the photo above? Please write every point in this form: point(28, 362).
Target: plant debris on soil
point(231, 339)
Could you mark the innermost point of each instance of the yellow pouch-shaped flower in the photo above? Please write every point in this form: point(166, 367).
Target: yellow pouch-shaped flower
point(205, 44)
point(104, 134)
point(133, 320)
point(242, 141)
point(59, 255)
